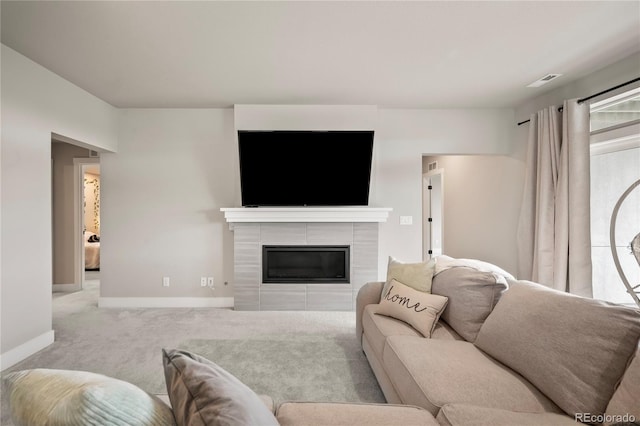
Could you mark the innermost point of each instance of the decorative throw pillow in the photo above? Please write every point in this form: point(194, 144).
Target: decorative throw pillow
point(419, 309)
point(472, 296)
point(415, 275)
point(203, 393)
point(70, 398)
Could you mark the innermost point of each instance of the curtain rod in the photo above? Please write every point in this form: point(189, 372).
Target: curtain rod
point(595, 95)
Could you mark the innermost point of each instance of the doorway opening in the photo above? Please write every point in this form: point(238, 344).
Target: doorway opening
point(90, 222)
point(87, 219)
point(69, 161)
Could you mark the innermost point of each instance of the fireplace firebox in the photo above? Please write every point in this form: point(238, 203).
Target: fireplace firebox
point(305, 264)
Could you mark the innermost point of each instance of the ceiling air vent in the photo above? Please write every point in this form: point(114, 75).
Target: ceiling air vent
point(93, 154)
point(544, 80)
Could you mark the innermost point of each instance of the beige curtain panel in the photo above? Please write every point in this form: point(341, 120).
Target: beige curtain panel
point(554, 240)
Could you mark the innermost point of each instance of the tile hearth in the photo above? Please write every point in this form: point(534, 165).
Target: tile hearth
point(250, 293)
point(356, 227)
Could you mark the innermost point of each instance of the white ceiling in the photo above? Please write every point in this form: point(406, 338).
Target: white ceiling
point(429, 54)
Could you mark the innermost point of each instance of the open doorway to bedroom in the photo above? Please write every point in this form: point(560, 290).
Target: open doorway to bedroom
point(86, 197)
point(91, 223)
point(70, 162)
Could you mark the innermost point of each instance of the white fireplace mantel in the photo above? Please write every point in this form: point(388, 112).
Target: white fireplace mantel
point(305, 214)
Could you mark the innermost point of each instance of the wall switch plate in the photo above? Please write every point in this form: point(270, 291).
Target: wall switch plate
point(165, 282)
point(210, 282)
point(203, 281)
point(406, 220)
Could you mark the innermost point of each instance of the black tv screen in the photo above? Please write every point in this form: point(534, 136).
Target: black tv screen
point(305, 168)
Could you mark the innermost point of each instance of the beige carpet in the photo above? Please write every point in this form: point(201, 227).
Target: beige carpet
point(310, 356)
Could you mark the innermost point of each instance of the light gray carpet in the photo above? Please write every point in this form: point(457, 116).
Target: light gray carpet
point(311, 356)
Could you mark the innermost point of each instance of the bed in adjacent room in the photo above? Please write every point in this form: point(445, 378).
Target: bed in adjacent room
point(91, 251)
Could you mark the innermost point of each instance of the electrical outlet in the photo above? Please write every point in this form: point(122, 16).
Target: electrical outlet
point(210, 282)
point(166, 281)
point(406, 220)
point(203, 281)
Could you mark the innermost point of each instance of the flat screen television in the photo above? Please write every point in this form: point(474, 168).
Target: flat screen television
point(305, 168)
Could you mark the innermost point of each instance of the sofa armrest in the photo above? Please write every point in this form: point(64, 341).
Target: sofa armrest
point(367, 295)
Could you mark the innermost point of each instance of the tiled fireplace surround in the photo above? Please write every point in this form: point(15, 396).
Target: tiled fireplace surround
point(253, 228)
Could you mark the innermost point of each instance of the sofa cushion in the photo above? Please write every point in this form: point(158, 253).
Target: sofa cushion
point(378, 327)
point(348, 414)
point(572, 348)
point(416, 275)
point(466, 415)
point(419, 309)
point(625, 399)
point(472, 296)
point(203, 393)
point(77, 398)
point(430, 373)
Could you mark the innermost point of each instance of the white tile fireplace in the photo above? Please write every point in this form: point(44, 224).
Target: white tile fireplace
point(253, 228)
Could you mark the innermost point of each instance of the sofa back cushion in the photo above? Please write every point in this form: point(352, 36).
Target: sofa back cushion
point(472, 296)
point(625, 403)
point(572, 348)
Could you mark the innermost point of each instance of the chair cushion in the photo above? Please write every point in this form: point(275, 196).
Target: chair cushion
point(572, 348)
point(430, 373)
point(466, 415)
point(348, 414)
point(472, 296)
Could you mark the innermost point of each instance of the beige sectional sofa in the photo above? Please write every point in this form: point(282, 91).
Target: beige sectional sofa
point(507, 352)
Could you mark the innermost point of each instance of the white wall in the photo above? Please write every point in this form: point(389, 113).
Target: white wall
point(161, 193)
point(161, 196)
point(481, 206)
point(404, 136)
point(34, 104)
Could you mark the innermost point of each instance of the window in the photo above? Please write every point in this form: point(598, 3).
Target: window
point(621, 110)
point(615, 165)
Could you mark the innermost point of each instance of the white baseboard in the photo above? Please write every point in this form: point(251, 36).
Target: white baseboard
point(66, 287)
point(165, 302)
point(25, 350)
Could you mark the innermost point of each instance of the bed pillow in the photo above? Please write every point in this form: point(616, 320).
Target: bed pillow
point(416, 275)
point(419, 309)
point(472, 296)
point(203, 393)
point(78, 398)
